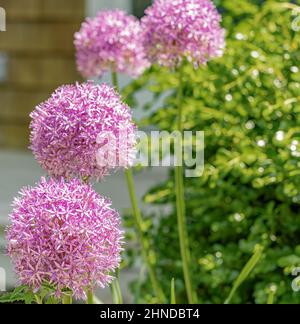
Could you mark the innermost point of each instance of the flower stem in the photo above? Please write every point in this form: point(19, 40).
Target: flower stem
point(90, 297)
point(146, 250)
point(180, 204)
point(173, 294)
point(67, 299)
point(116, 289)
point(143, 240)
point(115, 81)
point(271, 297)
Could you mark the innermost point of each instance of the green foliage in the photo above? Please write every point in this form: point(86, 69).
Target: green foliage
point(21, 294)
point(248, 105)
point(24, 294)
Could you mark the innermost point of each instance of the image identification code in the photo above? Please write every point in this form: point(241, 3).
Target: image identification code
point(151, 313)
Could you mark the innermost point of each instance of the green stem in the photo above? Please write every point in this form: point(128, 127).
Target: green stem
point(115, 81)
point(173, 294)
point(180, 205)
point(146, 251)
point(67, 300)
point(271, 298)
point(118, 286)
point(90, 297)
point(116, 289)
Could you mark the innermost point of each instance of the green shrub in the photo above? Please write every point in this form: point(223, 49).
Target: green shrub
point(248, 105)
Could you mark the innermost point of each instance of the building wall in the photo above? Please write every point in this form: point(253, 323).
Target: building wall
point(36, 56)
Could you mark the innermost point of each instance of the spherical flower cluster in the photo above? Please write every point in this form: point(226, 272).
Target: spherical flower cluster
point(83, 130)
point(111, 40)
point(64, 234)
point(178, 29)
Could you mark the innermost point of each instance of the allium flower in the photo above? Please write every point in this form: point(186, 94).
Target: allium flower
point(76, 132)
point(65, 234)
point(112, 40)
point(177, 29)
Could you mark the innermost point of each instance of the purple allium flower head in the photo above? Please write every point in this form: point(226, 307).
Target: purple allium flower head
point(177, 29)
point(78, 131)
point(65, 234)
point(111, 40)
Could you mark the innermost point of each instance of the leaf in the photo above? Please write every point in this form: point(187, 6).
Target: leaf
point(29, 298)
point(290, 260)
point(20, 294)
point(246, 272)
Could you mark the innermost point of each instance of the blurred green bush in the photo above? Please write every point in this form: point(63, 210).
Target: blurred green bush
point(248, 105)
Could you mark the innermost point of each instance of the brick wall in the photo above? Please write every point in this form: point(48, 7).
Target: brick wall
point(39, 54)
